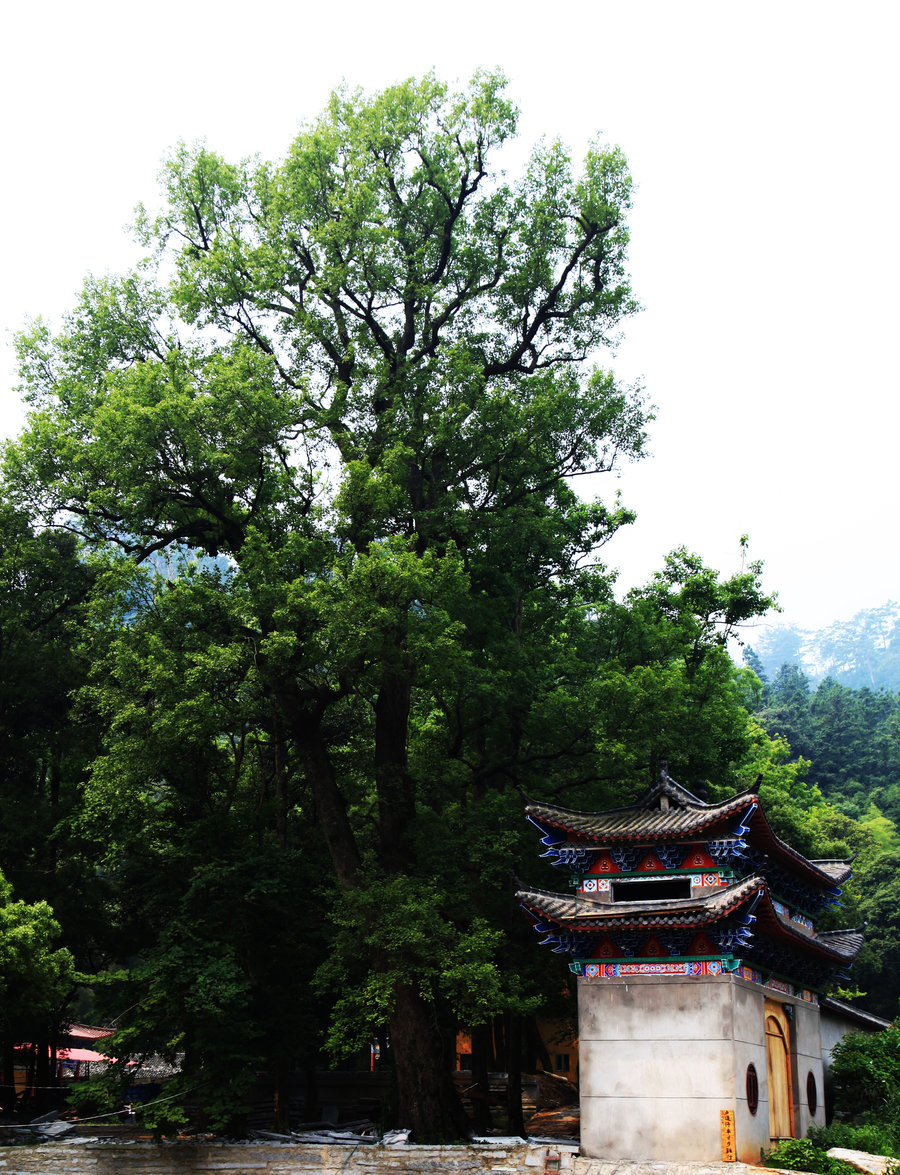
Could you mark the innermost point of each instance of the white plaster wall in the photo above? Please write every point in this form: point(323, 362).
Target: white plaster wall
point(682, 1068)
point(808, 1056)
point(656, 1067)
point(660, 1058)
point(834, 1029)
point(751, 1130)
point(691, 1011)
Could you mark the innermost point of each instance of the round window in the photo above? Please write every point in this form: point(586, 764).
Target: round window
point(753, 1089)
point(812, 1094)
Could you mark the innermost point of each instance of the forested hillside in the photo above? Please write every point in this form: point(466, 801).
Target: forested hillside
point(850, 736)
point(863, 651)
point(846, 743)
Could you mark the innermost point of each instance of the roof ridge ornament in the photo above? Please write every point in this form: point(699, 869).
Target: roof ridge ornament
point(668, 789)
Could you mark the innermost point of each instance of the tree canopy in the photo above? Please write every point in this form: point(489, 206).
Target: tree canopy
point(335, 603)
point(359, 378)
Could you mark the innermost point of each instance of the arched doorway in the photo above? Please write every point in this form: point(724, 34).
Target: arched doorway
point(778, 1061)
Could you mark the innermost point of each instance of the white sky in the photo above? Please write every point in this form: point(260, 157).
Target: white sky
point(766, 246)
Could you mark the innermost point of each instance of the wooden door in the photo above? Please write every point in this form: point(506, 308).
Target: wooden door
point(778, 1061)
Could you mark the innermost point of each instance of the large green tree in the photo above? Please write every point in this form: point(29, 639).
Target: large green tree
point(361, 378)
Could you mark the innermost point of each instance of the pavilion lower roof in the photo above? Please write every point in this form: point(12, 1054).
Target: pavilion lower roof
point(586, 914)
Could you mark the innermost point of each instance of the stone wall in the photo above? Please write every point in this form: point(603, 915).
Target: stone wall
point(96, 1158)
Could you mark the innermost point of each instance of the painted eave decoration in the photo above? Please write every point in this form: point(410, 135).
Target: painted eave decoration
point(728, 889)
point(683, 817)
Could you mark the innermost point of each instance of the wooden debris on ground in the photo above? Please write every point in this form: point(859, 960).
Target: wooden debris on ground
point(561, 1123)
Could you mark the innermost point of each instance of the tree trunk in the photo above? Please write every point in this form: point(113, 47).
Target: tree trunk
point(427, 1101)
point(516, 1123)
point(281, 787)
point(282, 1106)
point(481, 1110)
point(537, 1052)
point(331, 807)
point(312, 1111)
point(42, 1099)
point(396, 803)
point(29, 1093)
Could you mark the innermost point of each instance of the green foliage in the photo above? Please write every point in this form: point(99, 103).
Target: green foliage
point(803, 1154)
point(849, 735)
point(666, 688)
point(103, 1096)
point(876, 969)
point(873, 1138)
point(44, 587)
point(36, 975)
point(866, 1075)
point(403, 923)
point(216, 880)
point(50, 619)
point(844, 739)
point(335, 420)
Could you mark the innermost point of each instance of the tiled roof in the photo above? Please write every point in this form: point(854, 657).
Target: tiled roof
point(837, 870)
point(847, 942)
point(78, 1031)
point(667, 786)
point(685, 817)
point(584, 912)
point(851, 1012)
point(146, 1069)
point(639, 823)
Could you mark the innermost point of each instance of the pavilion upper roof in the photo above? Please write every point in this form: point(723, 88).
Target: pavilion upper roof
point(669, 812)
point(838, 870)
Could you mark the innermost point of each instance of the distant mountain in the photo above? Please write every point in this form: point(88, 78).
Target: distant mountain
point(864, 651)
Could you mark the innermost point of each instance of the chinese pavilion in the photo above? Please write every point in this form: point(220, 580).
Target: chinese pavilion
point(699, 972)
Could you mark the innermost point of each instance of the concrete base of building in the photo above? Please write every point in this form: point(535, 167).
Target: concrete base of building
point(662, 1058)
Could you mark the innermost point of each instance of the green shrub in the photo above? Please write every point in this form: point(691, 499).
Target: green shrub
point(875, 1138)
point(802, 1154)
point(866, 1074)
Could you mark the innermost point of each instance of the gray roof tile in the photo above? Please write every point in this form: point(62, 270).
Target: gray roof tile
point(585, 912)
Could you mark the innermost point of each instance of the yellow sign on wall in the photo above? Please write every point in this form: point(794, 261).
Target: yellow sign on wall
point(729, 1155)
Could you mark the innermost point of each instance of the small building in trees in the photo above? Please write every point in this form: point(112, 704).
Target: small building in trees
point(699, 972)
